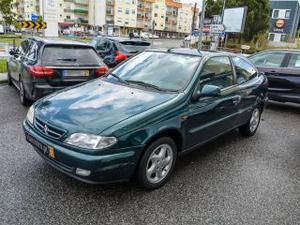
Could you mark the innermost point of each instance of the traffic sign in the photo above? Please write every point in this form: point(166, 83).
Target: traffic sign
point(34, 18)
point(217, 28)
point(33, 25)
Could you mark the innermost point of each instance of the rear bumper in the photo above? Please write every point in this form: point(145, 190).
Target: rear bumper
point(108, 168)
point(41, 90)
point(284, 97)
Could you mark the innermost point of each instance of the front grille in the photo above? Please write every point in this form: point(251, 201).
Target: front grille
point(48, 129)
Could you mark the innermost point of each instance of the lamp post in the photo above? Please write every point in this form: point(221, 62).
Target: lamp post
point(202, 17)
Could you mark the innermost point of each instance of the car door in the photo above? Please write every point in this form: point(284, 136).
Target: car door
point(248, 80)
point(17, 60)
point(212, 116)
point(271, 64)
point(288, 80)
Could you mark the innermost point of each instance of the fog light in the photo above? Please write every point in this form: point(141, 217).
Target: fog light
point(82, 172)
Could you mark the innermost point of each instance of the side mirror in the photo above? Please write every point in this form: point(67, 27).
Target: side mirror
point(206, 91)
point(210, 90)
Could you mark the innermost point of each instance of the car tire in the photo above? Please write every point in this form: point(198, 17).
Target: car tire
point(22, 94)
point(157, 163)
point(9, 80)
point(250, 128)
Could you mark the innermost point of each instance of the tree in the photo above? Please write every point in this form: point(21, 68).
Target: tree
point(8, 15)
point(258, 16)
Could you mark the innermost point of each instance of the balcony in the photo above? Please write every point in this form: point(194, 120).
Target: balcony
point(81, 3)
point(69, 20)
point(69, 10)
point(110, 3)
point(81, 11)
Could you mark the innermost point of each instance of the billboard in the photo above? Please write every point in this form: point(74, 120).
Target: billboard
point(234, 19)
point(50, 16)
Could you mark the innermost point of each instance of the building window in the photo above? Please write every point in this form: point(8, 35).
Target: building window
point(127, 11)
point(119, 9)
point(275, 13)
point(155, 14)
point(133, 11)
point(287, 14)
point(271, 37)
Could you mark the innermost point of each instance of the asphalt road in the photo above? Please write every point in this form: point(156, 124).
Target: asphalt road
point(233, 180)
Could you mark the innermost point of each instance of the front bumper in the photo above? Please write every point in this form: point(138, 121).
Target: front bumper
point(108, 168)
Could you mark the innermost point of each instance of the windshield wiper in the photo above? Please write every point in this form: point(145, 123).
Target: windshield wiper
point(146, 85)
point(68, 60)
point(118, 78)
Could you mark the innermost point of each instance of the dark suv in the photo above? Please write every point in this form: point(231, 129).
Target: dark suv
point(114, 50)
point(41, 66)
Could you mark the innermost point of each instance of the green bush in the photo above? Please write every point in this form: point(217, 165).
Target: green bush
point(3, 66)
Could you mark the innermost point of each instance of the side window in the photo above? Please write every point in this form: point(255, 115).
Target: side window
point(217, 71)
point(294, 61)
point(104, 45)
point(24, 47)
point(244, 70)
point(268, 60)
point(32, 52)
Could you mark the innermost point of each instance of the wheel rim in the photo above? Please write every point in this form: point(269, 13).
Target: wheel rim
point(159, 163)
point(21, 92)
point(254, 121)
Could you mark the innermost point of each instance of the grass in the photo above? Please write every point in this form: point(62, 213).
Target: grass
point(3, 66)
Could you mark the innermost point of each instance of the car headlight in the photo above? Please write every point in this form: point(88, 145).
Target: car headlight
point(30, 115)
point(90, 141)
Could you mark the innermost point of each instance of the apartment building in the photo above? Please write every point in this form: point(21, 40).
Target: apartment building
point(167, 17)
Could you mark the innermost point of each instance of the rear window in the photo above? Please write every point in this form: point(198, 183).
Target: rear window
point(70, 56)
point(135, 45)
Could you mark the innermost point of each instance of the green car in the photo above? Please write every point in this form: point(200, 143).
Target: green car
point(136, 120)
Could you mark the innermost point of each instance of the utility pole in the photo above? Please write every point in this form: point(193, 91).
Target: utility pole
point(194, 15)
point(223, 9)
point(202, 17)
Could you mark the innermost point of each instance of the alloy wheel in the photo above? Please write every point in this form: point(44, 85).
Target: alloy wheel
point(159, 163)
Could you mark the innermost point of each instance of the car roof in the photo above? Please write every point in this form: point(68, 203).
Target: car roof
point(194, 52)
point(121, 39)
point(59, 41)
point(280, 50)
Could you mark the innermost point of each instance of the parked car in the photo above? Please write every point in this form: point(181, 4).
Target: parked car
point(39, 67)
point(135, 121)
point(115, 50)
point(282, 68)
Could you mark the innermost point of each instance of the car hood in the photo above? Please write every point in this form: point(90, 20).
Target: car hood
point(97, 105)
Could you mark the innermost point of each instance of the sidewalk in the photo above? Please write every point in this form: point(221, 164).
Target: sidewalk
point(3, 78)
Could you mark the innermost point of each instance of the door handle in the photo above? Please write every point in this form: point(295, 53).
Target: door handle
point(236, 101)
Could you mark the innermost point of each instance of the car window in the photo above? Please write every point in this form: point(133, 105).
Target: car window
point(244, 70)
point(32, 52)
point(103, 45)
point(70, 55)
point(294, 61)
point(24, 47)
point(164, 70)
point(217, 71)
point(268, 59)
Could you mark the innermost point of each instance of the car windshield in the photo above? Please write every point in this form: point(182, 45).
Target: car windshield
point(164, 71)
point(70, 55)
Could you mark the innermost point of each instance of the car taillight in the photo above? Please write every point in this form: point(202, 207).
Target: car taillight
point(120, 56)
point(101, 71)
point(39, 71)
